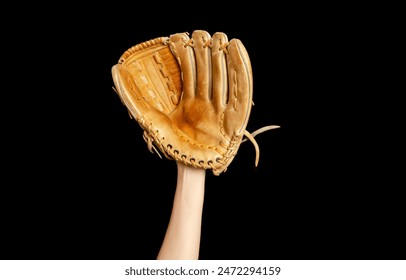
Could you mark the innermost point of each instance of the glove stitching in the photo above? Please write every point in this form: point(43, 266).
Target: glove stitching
point(141, 46)
point(207, 43)
point(223, 47)
point(188, 43)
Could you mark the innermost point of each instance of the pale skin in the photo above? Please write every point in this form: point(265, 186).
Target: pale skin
point(182, 237)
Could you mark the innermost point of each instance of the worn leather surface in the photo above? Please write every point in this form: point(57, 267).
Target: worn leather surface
point(191, 94)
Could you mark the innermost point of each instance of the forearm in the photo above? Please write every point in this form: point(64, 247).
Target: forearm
point(182, 238)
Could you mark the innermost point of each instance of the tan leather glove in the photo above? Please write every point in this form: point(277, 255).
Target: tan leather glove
point(192, 96)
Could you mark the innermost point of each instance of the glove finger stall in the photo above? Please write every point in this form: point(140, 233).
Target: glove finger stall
point(202, 51)
point(240, 88)
point(180, 46)
point(220, 73)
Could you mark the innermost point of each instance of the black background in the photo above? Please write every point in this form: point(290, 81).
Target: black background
point(80, 183)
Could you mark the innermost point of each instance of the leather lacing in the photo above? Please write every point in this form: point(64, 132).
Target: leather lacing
point(207, 44)
point(188, 43)
point(250, 136)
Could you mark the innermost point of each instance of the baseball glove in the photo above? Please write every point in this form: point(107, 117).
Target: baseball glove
point(192, 96)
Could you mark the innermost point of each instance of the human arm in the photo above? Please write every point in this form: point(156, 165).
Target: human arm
point(182, 237)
